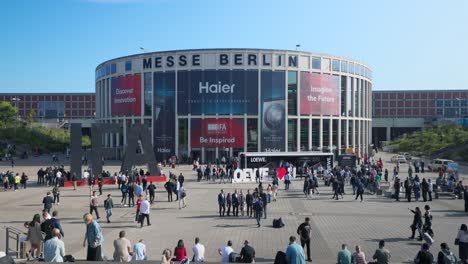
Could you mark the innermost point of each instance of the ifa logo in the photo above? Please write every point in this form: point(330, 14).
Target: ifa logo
point(217, 128)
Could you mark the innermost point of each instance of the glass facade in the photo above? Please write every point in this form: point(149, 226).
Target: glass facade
point(292, 135)
point(316, 63)
point(183, 138)
point(343, 95)
point(292, 92)
point(148, 93)
point(128, 66)
point(336, 65)
point(304, 134)
point(315, 134)
point(252, 135)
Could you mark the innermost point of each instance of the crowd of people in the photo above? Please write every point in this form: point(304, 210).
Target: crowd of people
point(137, 191)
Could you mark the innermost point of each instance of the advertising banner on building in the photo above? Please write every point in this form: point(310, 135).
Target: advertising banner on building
point(126, 95)
point(273, 112)
point(217, 92)
point(223, 132)
point(320, 94)
point(164, 115)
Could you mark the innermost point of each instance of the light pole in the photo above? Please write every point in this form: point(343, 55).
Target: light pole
point(143, 49)
point(15, 101)
point(297, 46)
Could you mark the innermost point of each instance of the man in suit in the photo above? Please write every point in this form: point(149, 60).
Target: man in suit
point(235, 203)
point(56, 222)
point(222, 202)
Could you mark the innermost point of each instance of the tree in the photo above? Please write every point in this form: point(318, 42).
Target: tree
point(31, 116)
point(7, 113)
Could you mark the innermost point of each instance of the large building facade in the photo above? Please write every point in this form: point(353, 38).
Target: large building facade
point(219, 102)
point(398, 112)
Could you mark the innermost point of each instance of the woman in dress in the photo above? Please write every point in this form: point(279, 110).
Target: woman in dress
point(35, 236)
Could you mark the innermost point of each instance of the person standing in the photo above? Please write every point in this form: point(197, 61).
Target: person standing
point(73, 178)
point(151, 189)
point(417, 223)
point(462, 242)
point(222, 203)
point(122, 249)
point(131, 194)
point(54, 248)
point(235, 203)
point(396, 187)
point(168, 186)
point(145, 213)
point(198, 251)
point(382, 255)
point(305, 232)
point(47, 201)
point(294, 252)
point(16, 181)
point(228, 203)
point(287, 180)
point(344, 255)
point(424, 189)
point(138, 204)
point(263, 197)
point(57, 223)
point(93, 238)
point(100, 184)
point(56, 193)
point(249, 203)
point(182, 196)
point(242, 202)
point(108, 205)
point(24, 180)
point(93, 204)
point(408, 188)
point(360, 189)
point(429, 190)
point(124, 190)
point(275, 184)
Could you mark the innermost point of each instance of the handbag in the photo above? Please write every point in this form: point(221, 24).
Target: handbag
point(457, 241)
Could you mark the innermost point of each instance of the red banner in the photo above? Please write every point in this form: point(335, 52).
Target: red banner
point(224, 132)
point(126, 95)
point(320, 94)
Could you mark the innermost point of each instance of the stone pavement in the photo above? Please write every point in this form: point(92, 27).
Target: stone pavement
point(333, 222)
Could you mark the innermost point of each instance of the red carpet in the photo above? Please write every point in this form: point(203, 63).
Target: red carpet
point(110, 181)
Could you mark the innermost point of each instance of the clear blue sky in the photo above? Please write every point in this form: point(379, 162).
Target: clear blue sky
point(55, 45)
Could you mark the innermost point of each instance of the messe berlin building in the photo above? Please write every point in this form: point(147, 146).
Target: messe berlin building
point(211, 103)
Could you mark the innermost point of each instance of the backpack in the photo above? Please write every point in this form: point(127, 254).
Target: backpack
point(449, 258)
point(233, 257)
point(278, 223)
point(47, 227)
point(280, 258)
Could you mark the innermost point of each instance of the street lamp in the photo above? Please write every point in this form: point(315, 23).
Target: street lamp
point(143, 49)
point(297, 46)
point(15, 104)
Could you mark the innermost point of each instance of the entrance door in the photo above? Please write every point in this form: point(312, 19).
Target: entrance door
point(210, 155)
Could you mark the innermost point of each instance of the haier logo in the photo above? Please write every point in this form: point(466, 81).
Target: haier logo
point(217, 127)
point(164, 150)
point(215, 87)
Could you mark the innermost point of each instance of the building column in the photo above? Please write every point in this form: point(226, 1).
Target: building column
point(389, 133)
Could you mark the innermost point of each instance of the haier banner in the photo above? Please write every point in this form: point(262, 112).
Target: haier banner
point(126, 95)
point(164, 115)
point(217, 92)
point(223, 132)
point(273, 115)
point(320, 94)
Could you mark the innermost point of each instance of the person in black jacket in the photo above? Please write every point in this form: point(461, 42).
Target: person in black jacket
point(168, 187)
point(235, 203)
point(222, 203)
point(228, 203)
point(151, 189)
point(408, 189)
point(249, 203)
point(424, 189)
point(131, 194)
point(181, 179)
point(48, 201)
point(56, 222)
point(417, 223)
point(263, 197)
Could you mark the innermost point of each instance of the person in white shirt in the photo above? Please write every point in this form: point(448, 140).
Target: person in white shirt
point(144, 212)
point(182, 195)
point(225, 251)
point(198, 251)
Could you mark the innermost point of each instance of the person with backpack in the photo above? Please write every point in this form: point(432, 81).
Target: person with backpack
point(305, 231)
point(445, 256)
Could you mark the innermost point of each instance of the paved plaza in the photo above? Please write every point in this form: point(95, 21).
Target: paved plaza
point(333, 222)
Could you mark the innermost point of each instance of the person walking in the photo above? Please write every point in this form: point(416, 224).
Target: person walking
point(396, 187)
point(182, 197)
point(151, 190)
point(169, 187)
point(108, 205)
point(34, 236)
point(93, 204)
point(131, 194)
point(57, 223)
point(258, 207)
point(294, 252)
point(222, 203)
point(138, 205)
point(305, 231)
point(382, 255)
point(417, 223)
point(360, 189)
point(47, 201)
point(93, 238)
point(145, 213)
point(344, 255)
point(100, 184)
point(122, 248)
point(54, 248)
point(263, 197)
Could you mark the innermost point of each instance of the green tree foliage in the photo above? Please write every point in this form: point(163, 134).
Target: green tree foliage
point(7, 114)
point(447, 141)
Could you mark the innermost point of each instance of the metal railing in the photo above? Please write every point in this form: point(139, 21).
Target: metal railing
point(13, 234)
